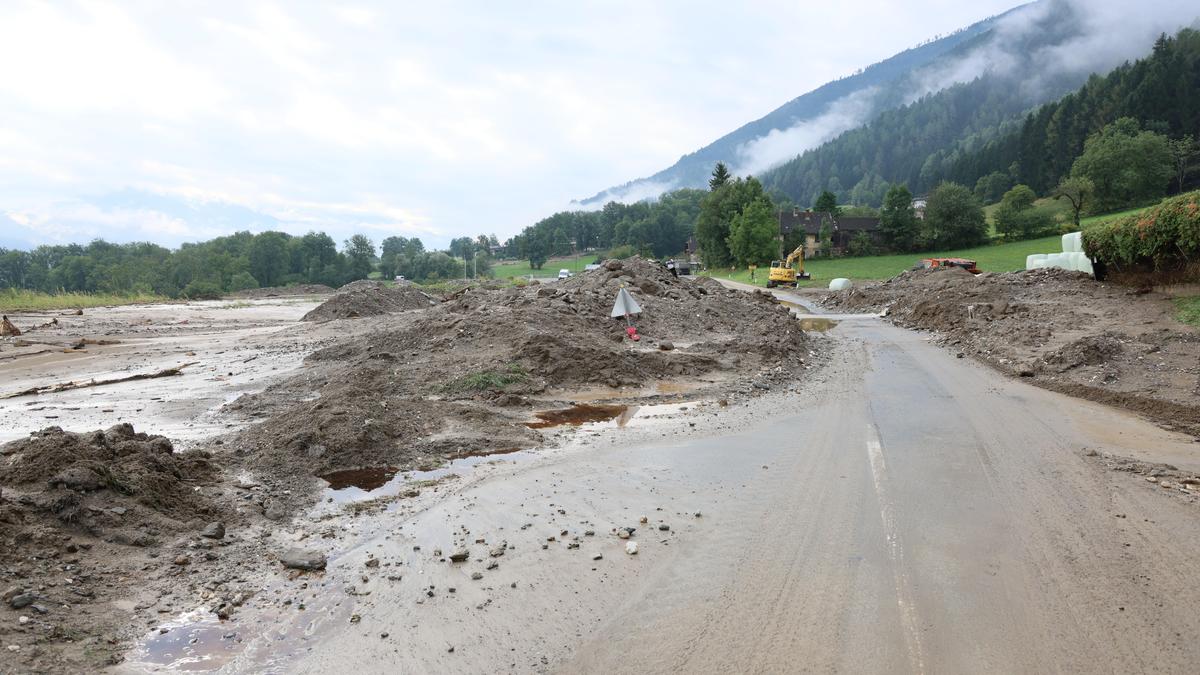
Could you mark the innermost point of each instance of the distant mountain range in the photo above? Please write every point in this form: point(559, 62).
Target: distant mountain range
point(952, 93)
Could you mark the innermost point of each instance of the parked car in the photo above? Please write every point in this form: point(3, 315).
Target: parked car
point(564, 274)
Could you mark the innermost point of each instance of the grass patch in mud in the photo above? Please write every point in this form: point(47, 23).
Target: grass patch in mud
point(1187, 310)
point(13, 300)
point(489, 380)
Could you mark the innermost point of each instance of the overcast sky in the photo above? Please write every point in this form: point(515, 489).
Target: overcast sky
point(179, 121)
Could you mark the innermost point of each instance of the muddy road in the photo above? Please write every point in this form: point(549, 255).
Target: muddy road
point(900, 511)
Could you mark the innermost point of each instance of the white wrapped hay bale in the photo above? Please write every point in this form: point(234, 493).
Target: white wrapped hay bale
point(1035, 261)
point(840, 284)
point(1084, 264)
point(1072, 242)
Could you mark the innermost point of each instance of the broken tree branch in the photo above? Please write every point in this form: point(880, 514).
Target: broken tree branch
point(65, 386)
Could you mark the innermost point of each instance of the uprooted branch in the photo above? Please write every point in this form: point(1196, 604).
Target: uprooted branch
point(65, 386)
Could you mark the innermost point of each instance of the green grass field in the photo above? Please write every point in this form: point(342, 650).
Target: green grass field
point(521, 268)
point(990, 258)
point(14, 300)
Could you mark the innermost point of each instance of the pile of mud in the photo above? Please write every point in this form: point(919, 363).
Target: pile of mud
point(80, 478)
point(94, 526)
point(370, 298)
point(281, 291)
point(562, 334)
point(461, 376)
point(1063, 330)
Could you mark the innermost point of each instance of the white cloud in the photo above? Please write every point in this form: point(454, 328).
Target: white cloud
point(437, 119)
point(778, 146)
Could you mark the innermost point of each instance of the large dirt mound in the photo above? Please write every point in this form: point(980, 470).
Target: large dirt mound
point(1063, 330)
point(458, 377)
point(77, 476)
point(370, 298)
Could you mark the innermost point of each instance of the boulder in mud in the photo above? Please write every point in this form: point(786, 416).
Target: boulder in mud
point(301, 559)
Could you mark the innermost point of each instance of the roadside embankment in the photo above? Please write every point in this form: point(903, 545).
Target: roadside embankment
point(1061, 330)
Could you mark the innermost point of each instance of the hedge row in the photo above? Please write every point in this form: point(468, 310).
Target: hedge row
point(1165, 236)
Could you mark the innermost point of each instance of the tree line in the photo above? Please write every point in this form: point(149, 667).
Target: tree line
point(231, 263)
point(658, 228)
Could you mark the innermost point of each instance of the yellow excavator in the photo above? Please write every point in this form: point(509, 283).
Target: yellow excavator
point(784, 274)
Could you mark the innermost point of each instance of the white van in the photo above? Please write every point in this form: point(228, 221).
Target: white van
point(564, 274)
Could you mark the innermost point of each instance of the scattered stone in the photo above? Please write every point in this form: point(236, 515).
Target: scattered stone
point(666, 346)
point(476, 576)
point(182, 560)
point(598, 556)
point(215, 530)
point(22, 600)
point(300, 559)
point(460, 555)
point(631, 547)
point(355, 618)
point(372, 563)
point(23, 620)
point(664, 527)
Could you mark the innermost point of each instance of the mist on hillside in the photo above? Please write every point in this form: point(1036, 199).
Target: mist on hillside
point(1044, 48)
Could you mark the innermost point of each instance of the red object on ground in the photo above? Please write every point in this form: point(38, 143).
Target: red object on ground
point(632, 333)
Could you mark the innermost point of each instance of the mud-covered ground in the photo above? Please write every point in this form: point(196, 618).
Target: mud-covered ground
point(1060, 330)
point(125, 506)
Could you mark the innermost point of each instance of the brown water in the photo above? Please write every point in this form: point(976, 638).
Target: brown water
point(369, 478)
point(817, 324)
point(576, 415)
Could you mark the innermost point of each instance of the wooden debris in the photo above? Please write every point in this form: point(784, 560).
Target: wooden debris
point(65, 386)
point(7, 329)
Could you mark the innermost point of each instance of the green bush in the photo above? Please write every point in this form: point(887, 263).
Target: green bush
point(202, 290)
point(1165, 236)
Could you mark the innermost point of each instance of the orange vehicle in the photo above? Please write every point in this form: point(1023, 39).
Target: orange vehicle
point(933, 263)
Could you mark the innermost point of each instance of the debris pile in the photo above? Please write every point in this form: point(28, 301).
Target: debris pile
point(370, 298)
point(462, 375)
point(87, 521)
point(1062, 329)
point(81, 478)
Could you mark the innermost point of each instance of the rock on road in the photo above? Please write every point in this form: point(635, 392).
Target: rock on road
point(912, 512)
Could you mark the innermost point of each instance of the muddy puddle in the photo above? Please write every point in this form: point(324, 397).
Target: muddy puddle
point(193, 641)
point(673, 388)
point(198, 641)
point(354, 485)
point(818, 324)
point(794, 306)
point(368, 479)
point(579, 413)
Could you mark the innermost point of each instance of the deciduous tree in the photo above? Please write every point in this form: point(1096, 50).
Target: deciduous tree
point(954, 218)
point(897, 220)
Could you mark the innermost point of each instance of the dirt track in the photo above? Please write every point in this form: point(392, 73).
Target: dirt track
point(907, 512)
point(894, 510)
